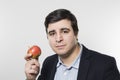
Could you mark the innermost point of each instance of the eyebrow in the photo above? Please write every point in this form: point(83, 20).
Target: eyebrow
point(65, 29)
point(60, 29)
point(51, 31)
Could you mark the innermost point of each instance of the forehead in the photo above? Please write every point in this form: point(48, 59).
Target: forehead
point(60, 24)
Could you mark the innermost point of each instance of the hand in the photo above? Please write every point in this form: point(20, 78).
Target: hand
point(32, 67)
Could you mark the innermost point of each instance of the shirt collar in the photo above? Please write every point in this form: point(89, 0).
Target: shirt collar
point(75, 63)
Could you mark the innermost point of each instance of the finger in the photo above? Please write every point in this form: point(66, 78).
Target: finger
point(33, 62)
point(28, 57)
point(36, 62)
point(33, 71)
point(34, 67)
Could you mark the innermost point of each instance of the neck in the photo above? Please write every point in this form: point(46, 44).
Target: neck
point(67, 60)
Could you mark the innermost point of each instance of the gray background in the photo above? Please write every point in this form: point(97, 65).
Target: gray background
point(22, 25)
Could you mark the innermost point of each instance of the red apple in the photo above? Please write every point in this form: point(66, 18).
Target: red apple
point(35, 51)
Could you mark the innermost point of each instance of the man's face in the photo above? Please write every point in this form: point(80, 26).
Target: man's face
point(61, 37)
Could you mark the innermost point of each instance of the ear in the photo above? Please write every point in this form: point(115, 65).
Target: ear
point(47, 35)
point(76, 37)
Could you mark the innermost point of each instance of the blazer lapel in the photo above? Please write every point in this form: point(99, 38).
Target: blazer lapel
point(53, 70)
point(52, 73)
point(84, 65)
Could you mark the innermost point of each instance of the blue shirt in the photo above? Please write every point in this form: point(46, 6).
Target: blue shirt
point(68, 73)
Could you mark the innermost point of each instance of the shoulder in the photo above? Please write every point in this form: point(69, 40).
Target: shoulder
point(103, 64)
point(51, 59)
point(95, 56)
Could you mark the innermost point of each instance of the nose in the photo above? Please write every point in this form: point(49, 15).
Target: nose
point(59, 38)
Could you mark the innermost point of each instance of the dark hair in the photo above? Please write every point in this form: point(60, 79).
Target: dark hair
point(60, 14)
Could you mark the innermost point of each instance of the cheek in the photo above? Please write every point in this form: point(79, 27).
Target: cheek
point(51, 42)
point(70, 38)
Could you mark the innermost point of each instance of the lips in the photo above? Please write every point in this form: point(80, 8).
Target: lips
point(60, 46)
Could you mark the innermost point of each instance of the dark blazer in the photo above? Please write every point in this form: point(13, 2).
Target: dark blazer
point(93, 66)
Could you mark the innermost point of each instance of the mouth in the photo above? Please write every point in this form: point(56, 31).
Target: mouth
point(60, 46)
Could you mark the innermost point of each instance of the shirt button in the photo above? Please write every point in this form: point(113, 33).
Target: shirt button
point(65, 73)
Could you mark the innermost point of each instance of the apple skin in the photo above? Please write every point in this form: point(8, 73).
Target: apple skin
point(35, 51)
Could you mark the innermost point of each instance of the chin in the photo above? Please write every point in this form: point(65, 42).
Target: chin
point(62, 54)
point(59, 53)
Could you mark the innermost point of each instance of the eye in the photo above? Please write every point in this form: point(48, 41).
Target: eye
point(51, 33)
point(65, 31)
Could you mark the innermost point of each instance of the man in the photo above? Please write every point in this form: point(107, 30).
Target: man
point(72, 61)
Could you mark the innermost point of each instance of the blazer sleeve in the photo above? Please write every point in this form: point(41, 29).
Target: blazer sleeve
point(111, 71)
